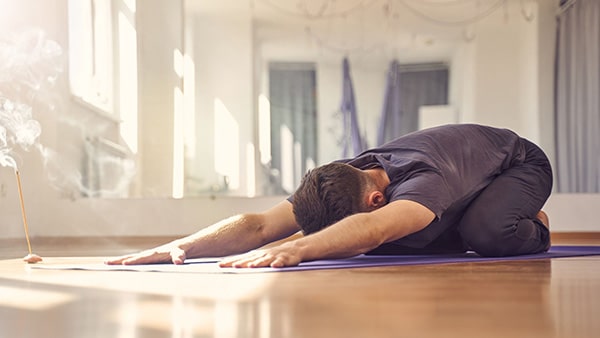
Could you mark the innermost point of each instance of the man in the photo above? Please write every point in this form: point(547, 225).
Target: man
point(446, 189)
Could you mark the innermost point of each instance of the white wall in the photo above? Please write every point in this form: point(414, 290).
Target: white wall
point(495, 76)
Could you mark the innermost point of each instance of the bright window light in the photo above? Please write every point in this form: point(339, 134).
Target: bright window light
point(178, 128)
point(264, 128)
point(189, 100)
point(287, 159)
point(128, 86)
point(131, 4)
point(250, 171)
point(91, 52)
point(310, 164)
point(178, 62)
point(178, 160)
point(227, 140)
point(297, 163)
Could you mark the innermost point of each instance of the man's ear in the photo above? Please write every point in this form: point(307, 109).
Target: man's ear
point(376, 199)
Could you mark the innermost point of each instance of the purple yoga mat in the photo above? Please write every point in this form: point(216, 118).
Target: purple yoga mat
point(204, 265)
point(469, 257)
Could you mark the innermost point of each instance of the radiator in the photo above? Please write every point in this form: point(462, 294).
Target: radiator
point(108, 168)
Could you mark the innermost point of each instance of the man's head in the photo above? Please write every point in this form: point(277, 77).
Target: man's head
point(330, 193)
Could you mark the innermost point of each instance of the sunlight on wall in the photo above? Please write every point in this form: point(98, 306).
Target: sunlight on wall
point(250, 171)
point(310, 164)
point(297, 163)
point(264, 128)
point(227, 152)
point(287, 159)
point(128, 86)
point(189, 101)
point(178, 62)
point(131, 4)
point(178, 127)
point(178, 160)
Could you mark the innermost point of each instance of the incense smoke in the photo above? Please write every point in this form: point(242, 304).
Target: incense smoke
point(30, 65)
point(17, 127)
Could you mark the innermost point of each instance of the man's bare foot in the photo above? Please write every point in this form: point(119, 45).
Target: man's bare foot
point(543, 217)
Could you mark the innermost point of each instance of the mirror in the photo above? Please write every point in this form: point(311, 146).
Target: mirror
point(239, 98)
point(269, 84)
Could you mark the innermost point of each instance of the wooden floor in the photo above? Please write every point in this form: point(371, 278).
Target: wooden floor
point(543, 298)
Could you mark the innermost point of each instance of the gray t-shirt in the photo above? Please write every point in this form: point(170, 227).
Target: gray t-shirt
point(443, 168)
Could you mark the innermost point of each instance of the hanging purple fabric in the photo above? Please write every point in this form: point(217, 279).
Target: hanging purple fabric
point(391, 112)
point(351, 137)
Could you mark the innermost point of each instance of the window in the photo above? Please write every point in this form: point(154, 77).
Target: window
point(91, 52)
point(292, 91)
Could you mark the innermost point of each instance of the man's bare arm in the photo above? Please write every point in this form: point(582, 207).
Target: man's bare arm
point(231, 236)
point(351, 236)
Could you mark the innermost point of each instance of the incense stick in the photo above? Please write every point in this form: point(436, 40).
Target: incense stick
point(23, 210)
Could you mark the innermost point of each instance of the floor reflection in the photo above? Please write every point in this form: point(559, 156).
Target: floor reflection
point(575, 298)
point(455, 300)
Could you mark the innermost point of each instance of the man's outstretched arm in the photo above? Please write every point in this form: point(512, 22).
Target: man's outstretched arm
point(351, 236)
point(231, 236)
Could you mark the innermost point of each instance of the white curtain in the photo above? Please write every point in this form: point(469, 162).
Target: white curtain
point(578, 97)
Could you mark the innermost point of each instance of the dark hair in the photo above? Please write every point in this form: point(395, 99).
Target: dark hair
point(326, 195)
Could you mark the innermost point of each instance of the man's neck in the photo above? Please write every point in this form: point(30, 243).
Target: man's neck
point(379, 177)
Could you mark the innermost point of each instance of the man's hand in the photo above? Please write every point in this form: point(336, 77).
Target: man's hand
point(276, 257)
point(162, 254)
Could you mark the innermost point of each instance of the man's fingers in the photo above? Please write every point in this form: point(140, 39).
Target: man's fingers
point(135, 260)
point(178, 256)
point(240, 261)
point(261, 262)
point(226, 262)
point(278, 263)
point(257, 260)
point(164, 254)
point(253, 259)
point(116, 261)
point(145, 257)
